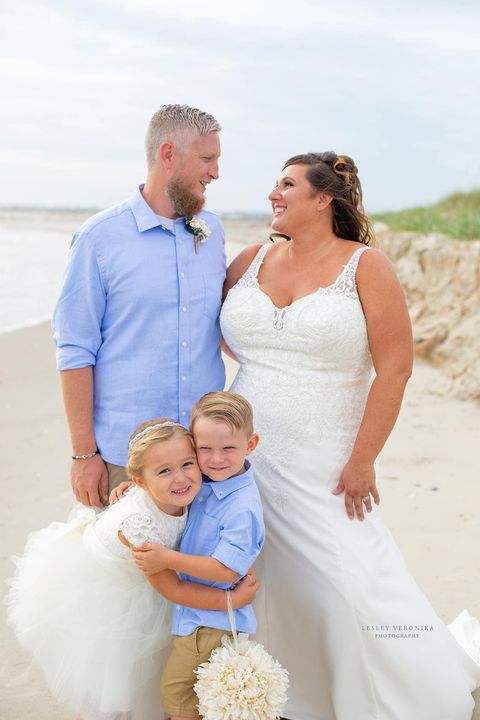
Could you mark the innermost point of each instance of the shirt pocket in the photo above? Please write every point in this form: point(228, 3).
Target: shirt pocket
point(207, 533)
point(212, 287)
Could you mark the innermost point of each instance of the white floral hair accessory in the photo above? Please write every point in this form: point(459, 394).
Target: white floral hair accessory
point(240, 681)
point(149, 429)
point(199, 229)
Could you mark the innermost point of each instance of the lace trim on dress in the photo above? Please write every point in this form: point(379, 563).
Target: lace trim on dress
point(249, 277)
point(139, 529)
point(345, 283)
point(140, 520)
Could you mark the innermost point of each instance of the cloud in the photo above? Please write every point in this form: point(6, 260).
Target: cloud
point(393, 84)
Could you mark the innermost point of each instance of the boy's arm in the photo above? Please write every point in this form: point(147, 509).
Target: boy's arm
point(202, 597)
point(241, 539)
point(191, 594)
point(152, 558)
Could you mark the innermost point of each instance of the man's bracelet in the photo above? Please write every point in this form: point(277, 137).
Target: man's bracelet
point(87, 456)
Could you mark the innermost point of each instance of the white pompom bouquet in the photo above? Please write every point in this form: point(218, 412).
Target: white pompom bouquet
point(240, 681)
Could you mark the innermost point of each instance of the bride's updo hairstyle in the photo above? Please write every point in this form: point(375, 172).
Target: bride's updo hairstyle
point(147, 434)
point(337, 175)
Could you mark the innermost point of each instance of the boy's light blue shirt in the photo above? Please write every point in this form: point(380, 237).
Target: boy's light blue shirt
point(225, 521)
point(141, 307)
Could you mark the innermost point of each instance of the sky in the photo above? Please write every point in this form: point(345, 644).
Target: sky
point(392, 83)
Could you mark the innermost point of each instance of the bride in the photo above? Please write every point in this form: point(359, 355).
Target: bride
point(310, 321)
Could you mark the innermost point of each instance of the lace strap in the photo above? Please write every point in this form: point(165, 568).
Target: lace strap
point(249, 277)
point(346, 284)
point(354, 260)
point(254, 267)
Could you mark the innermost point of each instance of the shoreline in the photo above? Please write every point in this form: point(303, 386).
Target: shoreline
point(44, 320)
point(438, 275)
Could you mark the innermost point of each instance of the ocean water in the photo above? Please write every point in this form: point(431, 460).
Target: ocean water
point(32, 263)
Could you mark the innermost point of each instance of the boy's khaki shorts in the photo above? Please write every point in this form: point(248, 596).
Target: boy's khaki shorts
point(116, 475)
point(178, 678)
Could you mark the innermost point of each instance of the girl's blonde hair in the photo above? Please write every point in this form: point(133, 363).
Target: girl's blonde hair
point(230, 408)
point(142, 439)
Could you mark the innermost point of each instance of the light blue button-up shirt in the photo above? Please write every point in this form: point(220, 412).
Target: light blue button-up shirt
point(142, 307)
point(225, 521)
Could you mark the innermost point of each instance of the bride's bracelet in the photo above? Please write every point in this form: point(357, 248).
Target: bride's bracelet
point(87, 456)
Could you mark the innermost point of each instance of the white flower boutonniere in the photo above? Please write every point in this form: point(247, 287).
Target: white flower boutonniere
point(199, 229)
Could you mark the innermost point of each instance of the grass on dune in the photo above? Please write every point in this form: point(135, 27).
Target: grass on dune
point(457, 216)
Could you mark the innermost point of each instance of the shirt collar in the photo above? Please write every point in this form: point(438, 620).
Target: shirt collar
point(144, 216)
point(223, 488)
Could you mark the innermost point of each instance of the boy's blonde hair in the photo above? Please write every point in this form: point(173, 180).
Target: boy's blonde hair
point(230, 408)
point(162, 430)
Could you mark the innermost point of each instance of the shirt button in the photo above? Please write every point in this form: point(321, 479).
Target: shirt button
point(184, 343)
point(200, 499)
point(184, 308)
point(182, 274)
point(180, 241)
point(183, 413)
point(184, 377)
point(220, 494)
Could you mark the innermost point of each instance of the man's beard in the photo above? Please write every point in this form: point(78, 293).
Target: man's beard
point(184, 202)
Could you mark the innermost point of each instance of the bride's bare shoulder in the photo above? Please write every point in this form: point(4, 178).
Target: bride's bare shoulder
point(240, 265)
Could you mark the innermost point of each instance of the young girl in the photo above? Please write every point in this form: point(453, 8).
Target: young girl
point(100, 629)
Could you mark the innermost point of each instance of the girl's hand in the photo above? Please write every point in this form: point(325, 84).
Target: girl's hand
point(244, 593)
point(151, 558)
point(358, 481)
point(119, 492)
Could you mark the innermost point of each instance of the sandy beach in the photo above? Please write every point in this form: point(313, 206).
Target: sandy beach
point(429, 490)
point(428, 478)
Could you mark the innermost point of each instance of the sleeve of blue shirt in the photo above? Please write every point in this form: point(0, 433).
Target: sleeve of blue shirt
point(78, 314)
point(241, 539)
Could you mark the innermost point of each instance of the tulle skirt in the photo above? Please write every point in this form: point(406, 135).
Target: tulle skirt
point(91, 621)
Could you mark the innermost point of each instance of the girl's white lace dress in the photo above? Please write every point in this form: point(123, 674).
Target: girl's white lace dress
point(338, 607)
point(89, 617)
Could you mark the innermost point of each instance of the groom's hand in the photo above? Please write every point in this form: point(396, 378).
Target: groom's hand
point(89, 480)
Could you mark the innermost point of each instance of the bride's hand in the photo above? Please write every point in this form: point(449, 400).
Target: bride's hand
point(358, 481)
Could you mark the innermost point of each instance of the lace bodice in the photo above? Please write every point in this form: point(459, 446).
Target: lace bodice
point(140, 520)
point(344, 284)
point(311, 357)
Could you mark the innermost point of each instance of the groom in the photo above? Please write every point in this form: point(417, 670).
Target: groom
point(137, 322)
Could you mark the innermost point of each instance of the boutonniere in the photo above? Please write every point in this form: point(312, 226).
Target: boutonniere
point(199, 229)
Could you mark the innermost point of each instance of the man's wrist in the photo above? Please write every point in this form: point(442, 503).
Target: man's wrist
point(83, 443)
point(86, 456)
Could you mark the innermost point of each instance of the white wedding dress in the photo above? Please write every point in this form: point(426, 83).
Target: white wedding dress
point(87, 614)
point(338, 607)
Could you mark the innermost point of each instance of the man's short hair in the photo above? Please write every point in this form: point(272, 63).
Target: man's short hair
point(180, 124)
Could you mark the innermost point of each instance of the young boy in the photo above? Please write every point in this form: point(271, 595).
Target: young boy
point(222, 539)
